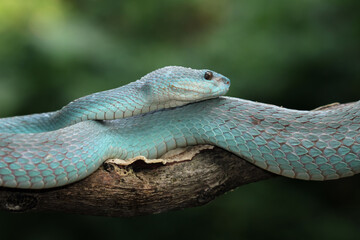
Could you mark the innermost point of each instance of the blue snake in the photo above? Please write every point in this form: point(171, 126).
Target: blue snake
point(157, 113)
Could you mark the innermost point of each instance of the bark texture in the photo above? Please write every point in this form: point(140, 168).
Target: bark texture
point(141, 188)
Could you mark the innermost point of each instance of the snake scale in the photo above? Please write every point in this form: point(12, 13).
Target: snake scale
point(155, 114)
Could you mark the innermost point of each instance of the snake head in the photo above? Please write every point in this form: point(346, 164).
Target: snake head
point(184, 85)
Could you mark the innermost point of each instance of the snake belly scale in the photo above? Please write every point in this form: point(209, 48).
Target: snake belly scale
point(309, 145)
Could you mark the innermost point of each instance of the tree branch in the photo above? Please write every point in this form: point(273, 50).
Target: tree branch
point(140, 188)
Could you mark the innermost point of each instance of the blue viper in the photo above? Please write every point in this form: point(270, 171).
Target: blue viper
point(54, 149)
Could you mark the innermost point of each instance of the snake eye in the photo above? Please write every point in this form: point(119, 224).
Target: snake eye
point(208, 75)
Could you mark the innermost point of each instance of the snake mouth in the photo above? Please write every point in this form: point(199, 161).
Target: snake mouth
point(200, 95)
point(221, 86)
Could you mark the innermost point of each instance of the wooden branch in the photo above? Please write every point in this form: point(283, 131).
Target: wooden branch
point(140, 188)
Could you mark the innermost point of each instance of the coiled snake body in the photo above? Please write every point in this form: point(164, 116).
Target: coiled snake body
point(37, 151)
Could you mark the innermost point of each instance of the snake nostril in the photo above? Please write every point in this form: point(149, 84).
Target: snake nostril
point(226, 81)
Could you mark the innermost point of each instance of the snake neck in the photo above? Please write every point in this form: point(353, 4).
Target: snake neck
point(127, 101)
point(133, 99)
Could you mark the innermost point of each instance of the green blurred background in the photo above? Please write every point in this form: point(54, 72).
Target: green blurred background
point(297, 54)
